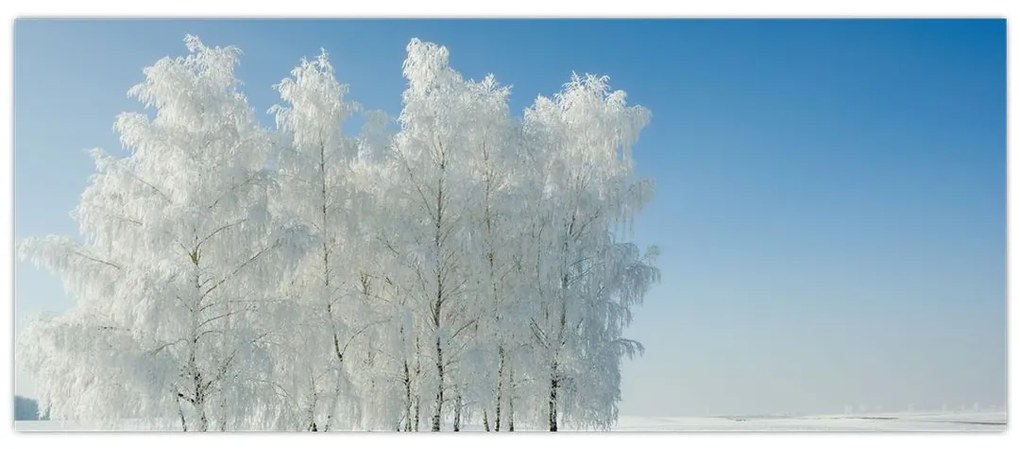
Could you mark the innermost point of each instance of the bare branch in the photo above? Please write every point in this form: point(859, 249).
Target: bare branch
point(238, 269)
point(218, 230)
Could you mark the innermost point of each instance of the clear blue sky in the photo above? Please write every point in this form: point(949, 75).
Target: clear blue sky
point(830, 202)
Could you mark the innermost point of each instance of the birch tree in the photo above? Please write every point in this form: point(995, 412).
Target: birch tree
point(496, 146)
point(314, 173)
point(177, 247)
point(431, 149)
point(584, 136)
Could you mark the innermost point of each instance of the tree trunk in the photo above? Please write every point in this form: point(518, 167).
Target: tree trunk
point(417, 375)
point(553, 386)
point(223, 414)
point(199, 390)
point(203, 420)
point(510, 413)
point(436, 427)
point(437, 321)
point(407, 397)
point(554, 378)
point(199, 398)
point(499, 387)
point(329, 305)
point(335, 403)
point(417, 412)
point(456, 413)
point(437, 310)
point(180, 412)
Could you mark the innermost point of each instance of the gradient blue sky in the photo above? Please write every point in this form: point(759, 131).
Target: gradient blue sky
point(830, 202)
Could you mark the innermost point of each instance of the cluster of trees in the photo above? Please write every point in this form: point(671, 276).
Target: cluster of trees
point(470, 267)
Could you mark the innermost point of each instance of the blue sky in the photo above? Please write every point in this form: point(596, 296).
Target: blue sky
point(830, 193)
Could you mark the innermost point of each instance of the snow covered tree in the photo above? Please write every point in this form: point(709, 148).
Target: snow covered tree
point(432, 147)
point(315, 193)
point(496, 147)
point(583, 139)
point(171, 275)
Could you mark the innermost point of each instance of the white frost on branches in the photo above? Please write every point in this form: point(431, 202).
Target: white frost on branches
point(470, 267)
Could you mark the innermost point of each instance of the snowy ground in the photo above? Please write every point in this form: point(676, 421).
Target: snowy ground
point(888, 422)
